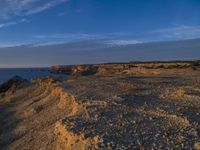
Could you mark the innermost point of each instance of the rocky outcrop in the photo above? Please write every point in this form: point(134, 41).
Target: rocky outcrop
point(10, 86)
point(146, 68)
point(75, 69)
point(66, 100)
point(67, 139)
point(12, 83)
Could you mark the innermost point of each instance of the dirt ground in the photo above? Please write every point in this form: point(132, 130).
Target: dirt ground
point(158, 111)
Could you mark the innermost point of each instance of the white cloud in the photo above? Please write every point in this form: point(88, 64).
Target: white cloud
point(123, 42)
point(9, 8)
point(67, 37)
point(179, 33)
point(108, 39)
point(180, 29)
point(105, 39)
point(44, 6)
point(62, 14)
point(7, 24)
point(11, 44)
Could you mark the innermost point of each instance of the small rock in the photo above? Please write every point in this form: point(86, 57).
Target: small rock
point(150, 118)
point(197, 146)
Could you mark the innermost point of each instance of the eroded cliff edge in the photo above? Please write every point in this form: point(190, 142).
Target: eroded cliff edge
point(134, 68)
point(104, 111)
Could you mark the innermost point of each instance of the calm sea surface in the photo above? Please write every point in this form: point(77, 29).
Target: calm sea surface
point(28, 73)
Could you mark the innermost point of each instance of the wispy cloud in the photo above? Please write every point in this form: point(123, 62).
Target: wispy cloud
point(44, 6)
point(105, 39)
point(68, 36)
point(109, 39)
point(62, 14)
point(9, 8)
point(123, 42)
point(57, 38)
point(11, 44)
point(7, 24)
point(11, 23)
point(178, 33)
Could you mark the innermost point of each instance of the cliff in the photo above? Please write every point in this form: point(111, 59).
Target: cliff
point(157, 109)
point(124, 68)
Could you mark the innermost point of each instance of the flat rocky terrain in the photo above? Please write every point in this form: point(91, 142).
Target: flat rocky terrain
point(112, 106)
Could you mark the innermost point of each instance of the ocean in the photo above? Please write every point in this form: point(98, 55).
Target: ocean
point(27, 73)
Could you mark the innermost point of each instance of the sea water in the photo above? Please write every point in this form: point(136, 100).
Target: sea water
point(26, 73)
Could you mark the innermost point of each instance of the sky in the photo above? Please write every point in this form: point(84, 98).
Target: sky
point(111, 22)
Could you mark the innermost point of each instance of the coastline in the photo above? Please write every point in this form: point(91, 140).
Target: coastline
point(107, 106)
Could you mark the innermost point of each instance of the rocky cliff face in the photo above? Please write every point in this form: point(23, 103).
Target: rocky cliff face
point(14, 82)
point(11, 85)
point(28, 116)
point(75, 69)
point(147, 68)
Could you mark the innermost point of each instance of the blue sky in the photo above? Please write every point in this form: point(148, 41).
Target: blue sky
point(115, 21)
point(36, 33)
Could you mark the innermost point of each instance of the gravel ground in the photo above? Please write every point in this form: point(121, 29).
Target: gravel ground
point(113, 112)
